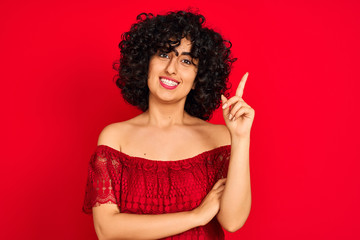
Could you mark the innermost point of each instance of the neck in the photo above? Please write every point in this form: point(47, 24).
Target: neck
point(165, 114)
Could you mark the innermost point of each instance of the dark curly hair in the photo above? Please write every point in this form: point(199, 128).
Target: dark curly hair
point(151, 34)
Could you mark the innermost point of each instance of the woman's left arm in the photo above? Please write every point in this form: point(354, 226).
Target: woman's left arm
point(236, 199)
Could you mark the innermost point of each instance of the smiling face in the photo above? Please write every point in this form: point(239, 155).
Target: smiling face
point(171, 75)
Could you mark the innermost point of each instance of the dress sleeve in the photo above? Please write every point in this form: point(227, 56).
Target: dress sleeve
point(223, 159)
point(102, 184)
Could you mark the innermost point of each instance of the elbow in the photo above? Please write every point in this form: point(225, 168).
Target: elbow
point(235, 224)
point(234, 228)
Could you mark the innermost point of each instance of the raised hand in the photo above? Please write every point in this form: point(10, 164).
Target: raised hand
point(238, 115)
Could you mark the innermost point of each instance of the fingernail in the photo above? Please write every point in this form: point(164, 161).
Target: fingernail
point(230, 116)
point(224, 106)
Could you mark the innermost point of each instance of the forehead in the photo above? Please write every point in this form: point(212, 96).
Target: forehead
point(185, 46)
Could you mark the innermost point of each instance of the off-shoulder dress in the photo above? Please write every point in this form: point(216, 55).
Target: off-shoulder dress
point(143, 186)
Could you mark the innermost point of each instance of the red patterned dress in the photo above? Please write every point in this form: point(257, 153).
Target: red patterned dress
point(143, 186)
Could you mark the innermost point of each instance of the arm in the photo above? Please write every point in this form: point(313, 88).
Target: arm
point(111, 224)
point(236, 200)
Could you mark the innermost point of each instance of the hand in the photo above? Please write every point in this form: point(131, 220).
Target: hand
point(210, 205)
point(241, 114)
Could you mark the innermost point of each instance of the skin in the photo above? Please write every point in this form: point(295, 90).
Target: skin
point(236, 199)
point(238, 115)
point(160, 133)
point(165, 127)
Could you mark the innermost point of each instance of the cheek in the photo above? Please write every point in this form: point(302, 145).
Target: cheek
point(152, 70)
point(190, 75)
point(155, 67)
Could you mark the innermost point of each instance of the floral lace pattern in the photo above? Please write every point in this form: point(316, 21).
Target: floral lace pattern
point(143, 186)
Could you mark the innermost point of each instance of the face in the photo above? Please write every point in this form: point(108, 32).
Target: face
point(171, 75)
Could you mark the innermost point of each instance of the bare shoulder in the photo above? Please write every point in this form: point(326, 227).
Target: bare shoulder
point(223, 134)
point(218, 133)
point(111, 135)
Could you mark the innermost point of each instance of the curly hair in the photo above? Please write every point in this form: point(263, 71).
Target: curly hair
point(150, 34)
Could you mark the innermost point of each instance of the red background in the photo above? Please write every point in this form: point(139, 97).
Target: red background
point(57, 95)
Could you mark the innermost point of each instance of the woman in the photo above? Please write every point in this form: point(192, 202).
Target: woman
point(162, 173)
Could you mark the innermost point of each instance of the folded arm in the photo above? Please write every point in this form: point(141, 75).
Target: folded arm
point(111, 224)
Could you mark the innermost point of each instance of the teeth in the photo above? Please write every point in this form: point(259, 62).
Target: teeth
point(168, 82)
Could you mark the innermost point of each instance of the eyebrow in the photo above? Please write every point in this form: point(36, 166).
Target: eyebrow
point(183, 53)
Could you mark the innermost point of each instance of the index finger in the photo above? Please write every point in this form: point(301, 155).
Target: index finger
point(240, 89)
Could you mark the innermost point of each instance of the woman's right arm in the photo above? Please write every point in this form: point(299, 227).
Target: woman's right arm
point(110, 224)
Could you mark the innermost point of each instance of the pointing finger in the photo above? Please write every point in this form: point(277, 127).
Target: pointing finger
point(240, 89)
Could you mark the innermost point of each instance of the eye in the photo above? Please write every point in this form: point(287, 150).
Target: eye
point(186, 61)
point(163, 55)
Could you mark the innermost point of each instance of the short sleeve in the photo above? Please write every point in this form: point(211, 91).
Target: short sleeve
point(223, 159)
point(103, 183)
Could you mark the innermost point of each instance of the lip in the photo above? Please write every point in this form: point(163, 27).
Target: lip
point(166, 86)
point(170, 79)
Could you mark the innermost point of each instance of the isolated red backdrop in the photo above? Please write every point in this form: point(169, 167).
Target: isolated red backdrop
point(57, 95)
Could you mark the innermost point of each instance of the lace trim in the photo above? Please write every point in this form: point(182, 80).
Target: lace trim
point(199, 156)
point(99, 202)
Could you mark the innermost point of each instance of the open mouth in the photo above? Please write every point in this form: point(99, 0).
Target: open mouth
point(168, 82)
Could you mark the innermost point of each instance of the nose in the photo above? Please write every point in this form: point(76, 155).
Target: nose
point(171, 66)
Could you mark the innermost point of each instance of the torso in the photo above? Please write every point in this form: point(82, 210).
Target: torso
point(178, 142)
